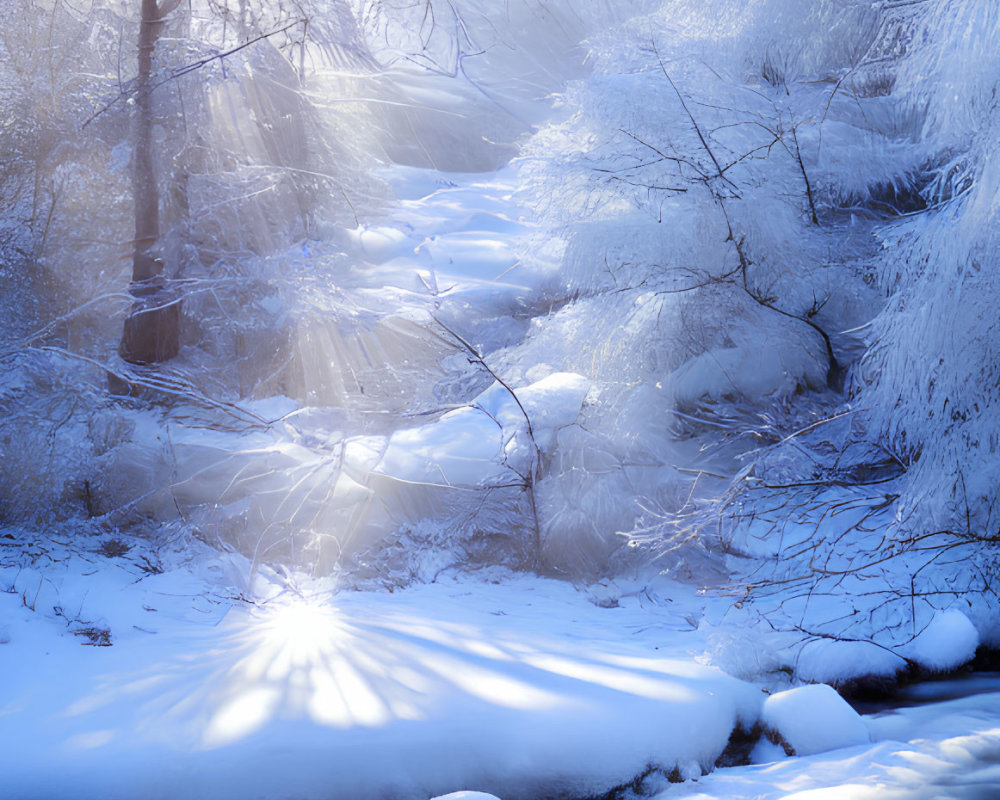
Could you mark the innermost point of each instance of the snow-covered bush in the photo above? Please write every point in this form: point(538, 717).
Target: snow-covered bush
point(880, 513)
point(714, 243)
point(930, 375)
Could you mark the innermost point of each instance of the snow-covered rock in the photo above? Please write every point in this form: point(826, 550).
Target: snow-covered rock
point(948, 641)
point(933, 750)
point(813, 719)
point(836, 661)
point(466, 796)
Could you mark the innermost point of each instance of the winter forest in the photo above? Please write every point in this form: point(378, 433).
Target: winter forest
point(521, 399)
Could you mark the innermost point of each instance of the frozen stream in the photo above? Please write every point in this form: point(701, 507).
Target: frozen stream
point(934, 741)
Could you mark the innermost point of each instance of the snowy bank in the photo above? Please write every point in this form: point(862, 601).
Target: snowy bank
point(524, 689)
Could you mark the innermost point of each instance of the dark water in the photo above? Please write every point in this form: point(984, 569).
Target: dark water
point(933, 707)
point(954, 687)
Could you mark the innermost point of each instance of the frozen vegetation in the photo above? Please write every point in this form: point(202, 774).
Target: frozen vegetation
point(550, 399)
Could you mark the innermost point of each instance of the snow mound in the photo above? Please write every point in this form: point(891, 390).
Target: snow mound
point(814, 719)
point(747, 371)
point(466, 796)
point(352, 694)
point(465, 446)
point(552, 403)
point(948, 641)
point(834, 661)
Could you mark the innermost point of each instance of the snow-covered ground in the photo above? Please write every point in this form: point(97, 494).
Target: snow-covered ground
point(523, 686)
point(136, 674)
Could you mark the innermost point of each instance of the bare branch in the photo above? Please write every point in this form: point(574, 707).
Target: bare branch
point(179, 72)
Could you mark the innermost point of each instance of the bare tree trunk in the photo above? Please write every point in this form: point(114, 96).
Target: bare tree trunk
point(152, 328)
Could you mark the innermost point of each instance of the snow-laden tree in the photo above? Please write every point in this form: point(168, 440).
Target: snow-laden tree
point(173, 156)
point(906, 466)
point(783, 250)
point(709, 235)
point(930, 375)
point(862, 513)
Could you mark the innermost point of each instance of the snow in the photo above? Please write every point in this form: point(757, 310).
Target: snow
point(466, 796)
point(826, 660)
point(949, 641)
point(469, 446)
point(766, 752)
point(462, 447)
point(568, 330)
point(813, 719)
point(523, 688)
point(550, 404)
point(749, 371)
point(938, 751)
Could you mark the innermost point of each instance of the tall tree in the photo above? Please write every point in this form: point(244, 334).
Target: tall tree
point(152, 328)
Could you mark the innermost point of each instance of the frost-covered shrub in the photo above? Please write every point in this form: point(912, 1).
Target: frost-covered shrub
point(702, 180)
point(931, 375)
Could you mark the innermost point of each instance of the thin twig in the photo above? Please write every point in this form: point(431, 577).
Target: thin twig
point(188, 68)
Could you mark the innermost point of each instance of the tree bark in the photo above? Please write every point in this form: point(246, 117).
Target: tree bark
point(152, 328)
